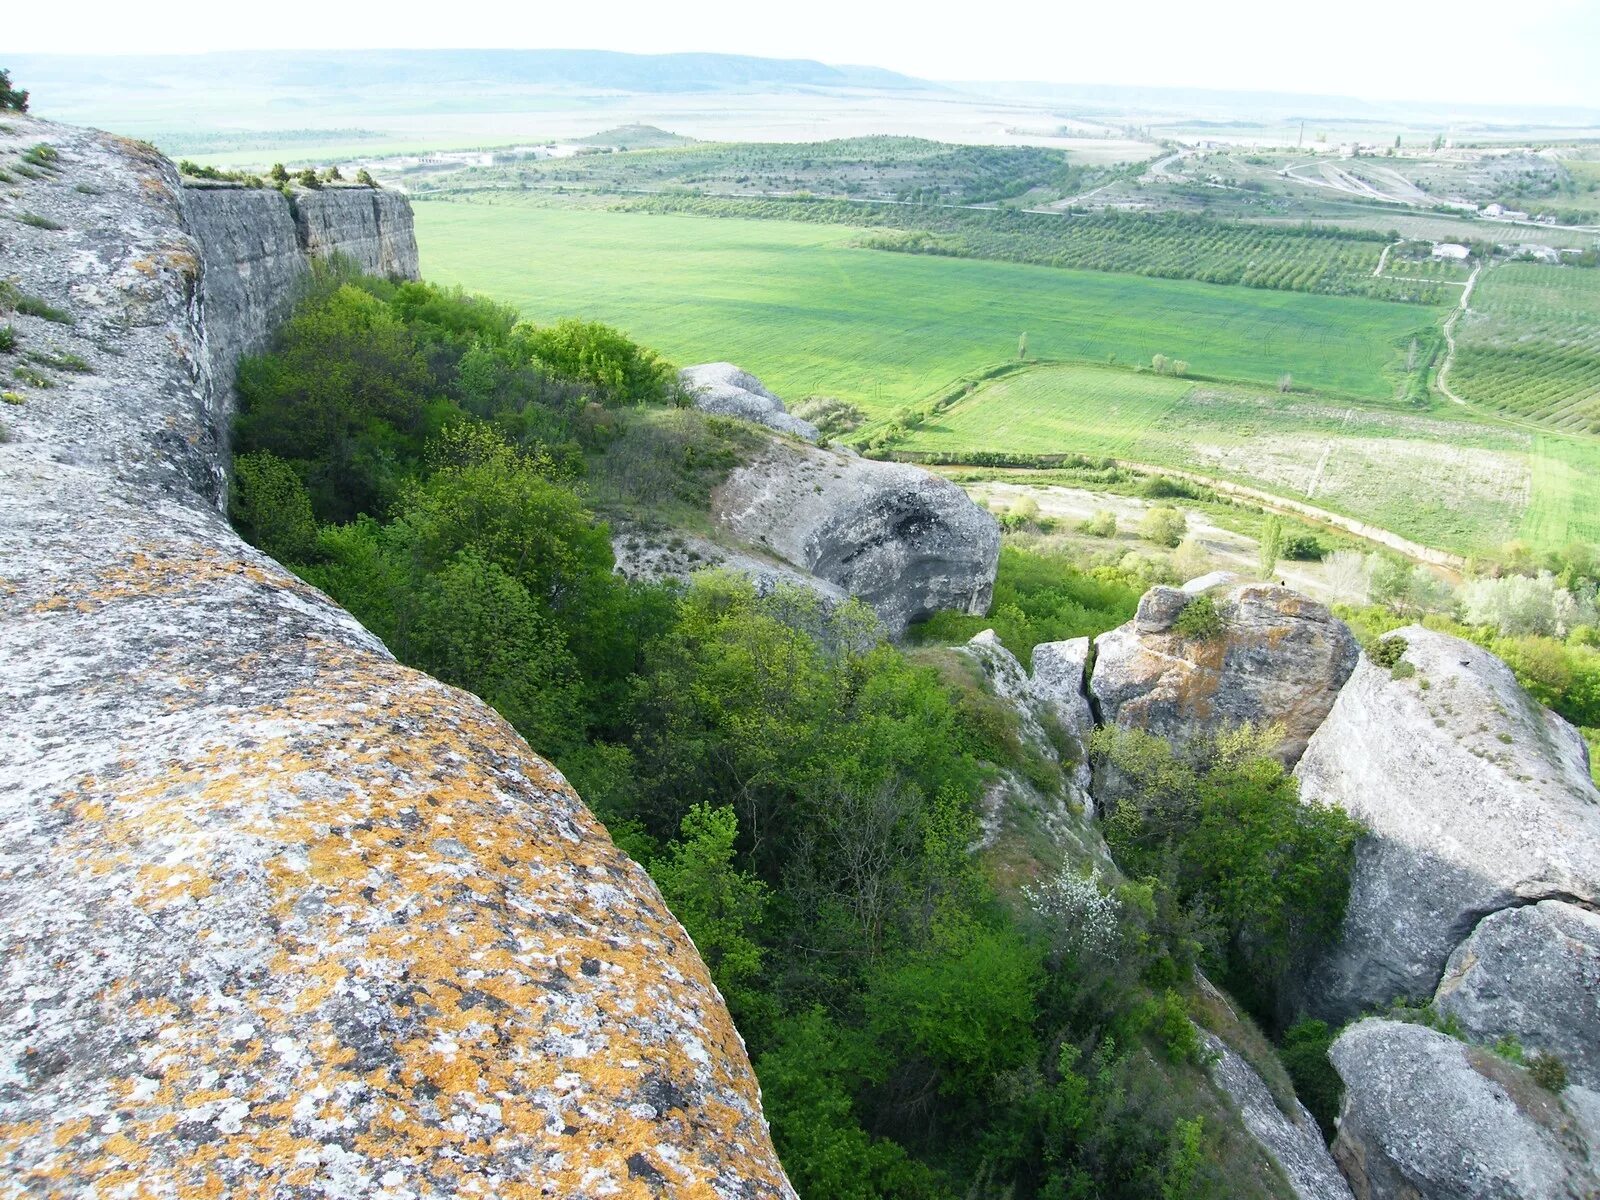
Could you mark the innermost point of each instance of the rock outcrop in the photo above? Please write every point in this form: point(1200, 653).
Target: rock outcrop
point(907, 542)
point(1278, 657)
point(677, 554)
point(1429, 1118)
point(1475, 798)
point(282, 917)
point(1294, 1140)
point(257, 247)
point(1532, 973)
point(730, 391)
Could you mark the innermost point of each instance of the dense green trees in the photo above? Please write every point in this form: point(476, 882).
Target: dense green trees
point(806, 795)
point(11, 99)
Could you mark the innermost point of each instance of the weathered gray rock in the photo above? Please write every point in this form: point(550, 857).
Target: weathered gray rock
point(280, 916)
point(907, 542)
point(1060, 684)
point(729, 391)
point(1429, 1118)
point(677, 554)
point(1475, 798)
point(1279, 658)
point(1532, 972)
point(256, 252)
point(1293, 1140)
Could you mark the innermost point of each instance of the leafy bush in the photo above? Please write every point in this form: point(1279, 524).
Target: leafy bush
point(1102, 524)
point(1302, 547)
point(1548, 1071)
point(1386, 652)
point(623, 371)
point(833, 417)
point(1163, 526)
point(8, 339)
point(1199, 621)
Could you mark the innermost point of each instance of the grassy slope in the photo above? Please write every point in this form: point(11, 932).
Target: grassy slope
point(806, 312)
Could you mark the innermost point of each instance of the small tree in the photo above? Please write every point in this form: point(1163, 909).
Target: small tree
point(308, 179)
point(11, 99)
point(331, 175)
point(278, 175)
point(1271, 545)
point(1180, 367)
point(365, 179)
point(1158, 363)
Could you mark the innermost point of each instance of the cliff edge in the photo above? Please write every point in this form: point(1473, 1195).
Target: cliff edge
point(281, 916)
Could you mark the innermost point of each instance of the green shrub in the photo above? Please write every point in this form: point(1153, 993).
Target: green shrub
point(1302, 547)
point(1102, 524)
point(39, 222)
point(1402, 670)
point(1305, 1056)
point(33, 378)
point(1164, 527)
point(1386, 652)
point(8, 339)
point(1548, 1071)
point(60, 360)
point(44, 156)
point(365, 179)
point(308, 179)
point(12, 398)
point(1199, 621)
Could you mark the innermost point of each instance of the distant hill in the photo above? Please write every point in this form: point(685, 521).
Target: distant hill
point(635, 137)
point(434, 69)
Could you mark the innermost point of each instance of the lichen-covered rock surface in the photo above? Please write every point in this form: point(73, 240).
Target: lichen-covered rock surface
point(281, 917)
point(1475, 799)
point(731, 391)
point(907, 542)
point(1279, 658)
point(1427, 1117)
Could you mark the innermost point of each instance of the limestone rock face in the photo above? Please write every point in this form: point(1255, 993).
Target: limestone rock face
point(1476, 799)
point(907, 542)
point(257, 251)
point(1295, 1141)
point(729, 391)
point(1279, 658)
point(281, 916)
point(1532, 972)
point(1429, 1118)
point(677, 554)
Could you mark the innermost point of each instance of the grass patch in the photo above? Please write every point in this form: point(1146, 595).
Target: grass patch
point(61, 360)
point(32, 377)
point(32, 306)
point(44, 156)
point(39, 222)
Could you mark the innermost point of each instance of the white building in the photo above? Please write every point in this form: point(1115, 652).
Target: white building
point(1451, 250)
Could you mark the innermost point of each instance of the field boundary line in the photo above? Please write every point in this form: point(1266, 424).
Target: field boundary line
point(1442, 381)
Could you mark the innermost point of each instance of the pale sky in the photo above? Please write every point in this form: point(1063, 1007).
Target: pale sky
point(1497, 51)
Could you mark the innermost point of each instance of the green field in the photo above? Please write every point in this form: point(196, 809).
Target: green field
point(809, 313)
point(1459, 485)
point(1530, 347)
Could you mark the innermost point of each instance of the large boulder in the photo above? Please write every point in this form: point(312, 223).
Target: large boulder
point(1532, 973)
point(1278, 657)
point(280, 916)
point(907, 542)
point(730, 391)
point(1475, 799)
point(1427, 1117)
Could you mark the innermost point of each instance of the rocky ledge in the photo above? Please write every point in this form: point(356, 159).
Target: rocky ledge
point(282, 917)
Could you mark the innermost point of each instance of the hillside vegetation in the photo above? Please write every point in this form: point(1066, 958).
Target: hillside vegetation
point(805, 795)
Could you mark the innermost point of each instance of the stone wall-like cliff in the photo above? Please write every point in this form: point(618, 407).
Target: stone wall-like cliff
point(280, 916)
point(256, 247)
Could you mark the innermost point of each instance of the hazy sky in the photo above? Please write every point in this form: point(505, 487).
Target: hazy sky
point(1529, 51)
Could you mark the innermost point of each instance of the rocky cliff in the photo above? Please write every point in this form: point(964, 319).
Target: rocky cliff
point(280, 916)
point(257, 246)
point(728, 391)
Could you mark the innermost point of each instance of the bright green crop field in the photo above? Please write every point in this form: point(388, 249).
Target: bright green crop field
point(1462, 485)
point(808, 313)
